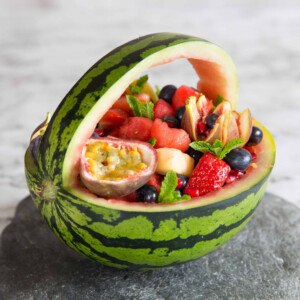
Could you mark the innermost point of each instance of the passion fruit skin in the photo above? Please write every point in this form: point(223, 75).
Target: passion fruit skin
point(125, 186)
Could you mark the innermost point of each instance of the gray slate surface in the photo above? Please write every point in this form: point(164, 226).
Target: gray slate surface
point(261, 262)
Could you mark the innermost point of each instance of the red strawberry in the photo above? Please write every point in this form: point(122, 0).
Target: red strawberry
point(209, 175)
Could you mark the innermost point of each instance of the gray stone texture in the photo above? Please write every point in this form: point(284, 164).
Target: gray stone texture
point(261, 262)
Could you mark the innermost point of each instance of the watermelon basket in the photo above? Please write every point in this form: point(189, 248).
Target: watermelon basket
point(131, 234)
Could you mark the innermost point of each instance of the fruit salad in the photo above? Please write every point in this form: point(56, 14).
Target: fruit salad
point(185, 143)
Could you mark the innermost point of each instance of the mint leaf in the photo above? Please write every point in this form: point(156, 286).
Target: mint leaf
point(140, 109)
point(138, 87)
point(201, 146)
point(219, 99)
point(152, 141)
point(167, 193)
point(217, 147)
point(157, 90)
point(234, 143)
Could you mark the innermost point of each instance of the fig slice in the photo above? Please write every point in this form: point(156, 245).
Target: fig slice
point(244, 122)
point(223, 107)
point(204, 107)
point(190, 118)
point(115, 167)
point(216, 132)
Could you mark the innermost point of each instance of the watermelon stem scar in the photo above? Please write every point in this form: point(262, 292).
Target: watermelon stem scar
point(46, 191)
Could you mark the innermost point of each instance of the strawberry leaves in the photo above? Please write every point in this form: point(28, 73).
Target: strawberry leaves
point(217, 147)
point(168, 186)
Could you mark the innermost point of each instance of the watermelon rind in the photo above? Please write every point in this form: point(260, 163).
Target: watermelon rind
point(138, 235)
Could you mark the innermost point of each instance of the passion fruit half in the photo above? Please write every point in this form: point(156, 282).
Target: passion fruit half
point(114, 167)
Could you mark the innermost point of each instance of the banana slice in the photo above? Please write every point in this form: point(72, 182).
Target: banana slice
point(173, 159)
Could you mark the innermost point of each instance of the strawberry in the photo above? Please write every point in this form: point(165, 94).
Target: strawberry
point(209, 175)
point(211, 171)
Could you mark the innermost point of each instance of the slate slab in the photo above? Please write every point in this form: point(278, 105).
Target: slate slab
point(261, 262)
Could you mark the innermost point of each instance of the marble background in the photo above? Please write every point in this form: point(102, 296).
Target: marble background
point(45, 46)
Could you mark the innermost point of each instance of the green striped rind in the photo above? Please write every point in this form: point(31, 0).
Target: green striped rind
point(88, 90)
point(142, 240)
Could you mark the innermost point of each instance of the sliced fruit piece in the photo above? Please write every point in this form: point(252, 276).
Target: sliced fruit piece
point(223, 107)
point(112, 119)
point(236, 114)
point(136, 128)
point(233, 131)
point(204, 107)
point(190, 118)
point(163, 108)
point(216, 132)
point(244, 122)
point(167, 137)
point(229, 129)
point(209, 175)
point(174, 159)
point(116, 168)
point(181, 94)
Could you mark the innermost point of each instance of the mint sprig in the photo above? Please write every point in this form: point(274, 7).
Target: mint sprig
point(140, 109)
point(167, 192)
point(217, 147)
point(157, 90)
point(219, 99)
point(138, 87)
point(152, 141)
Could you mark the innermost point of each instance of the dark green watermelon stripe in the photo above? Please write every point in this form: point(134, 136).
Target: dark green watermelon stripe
point(88, 94)
point(174, 244)
point(79, 240)
point(90, 210)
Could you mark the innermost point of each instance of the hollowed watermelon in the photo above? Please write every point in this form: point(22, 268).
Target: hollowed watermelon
point(129, 234)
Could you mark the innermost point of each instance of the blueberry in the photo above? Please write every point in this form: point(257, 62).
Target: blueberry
point(256, 136)
point(183, 181)
point(171, 121)
point(238, 159)
point(179, 113)
point(210, 120)
point(196, 155)
point(147, 193)
point(95, 134)
point(167, 92)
